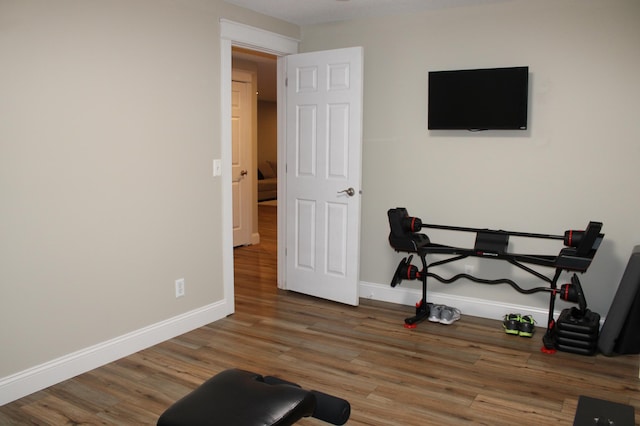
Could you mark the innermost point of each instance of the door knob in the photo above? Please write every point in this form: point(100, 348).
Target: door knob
point(349, 191)
point(243, 173)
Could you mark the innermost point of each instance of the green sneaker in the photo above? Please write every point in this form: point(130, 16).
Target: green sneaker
point(511, 324)
point(527, 326)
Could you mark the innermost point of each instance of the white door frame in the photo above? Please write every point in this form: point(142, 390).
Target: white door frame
point(236, 34)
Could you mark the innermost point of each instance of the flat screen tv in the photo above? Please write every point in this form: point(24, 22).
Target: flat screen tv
point(479, 99)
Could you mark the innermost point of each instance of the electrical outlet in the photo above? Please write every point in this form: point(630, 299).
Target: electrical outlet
point(180, 287)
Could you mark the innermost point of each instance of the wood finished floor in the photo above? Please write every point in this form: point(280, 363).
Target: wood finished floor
point(466, 373)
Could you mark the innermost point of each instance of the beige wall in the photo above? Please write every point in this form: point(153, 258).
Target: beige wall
point(109, 121)
point(577, 162)
point(267, 131)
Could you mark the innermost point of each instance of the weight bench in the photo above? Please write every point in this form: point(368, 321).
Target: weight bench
point(576, 256)
point(240, 398)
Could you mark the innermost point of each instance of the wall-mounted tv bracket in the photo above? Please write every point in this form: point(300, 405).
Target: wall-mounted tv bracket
point(581, 247)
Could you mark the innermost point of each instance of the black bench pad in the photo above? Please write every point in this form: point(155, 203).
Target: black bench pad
point(240, 398)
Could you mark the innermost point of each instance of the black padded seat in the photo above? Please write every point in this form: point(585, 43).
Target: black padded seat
point(240, 398)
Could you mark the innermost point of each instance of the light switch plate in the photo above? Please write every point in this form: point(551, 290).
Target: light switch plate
point(217, 167)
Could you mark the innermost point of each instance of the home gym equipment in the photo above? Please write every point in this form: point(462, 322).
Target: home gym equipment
point(242, 398)
point(577, 329)
point(581, 247)
point(619, 332)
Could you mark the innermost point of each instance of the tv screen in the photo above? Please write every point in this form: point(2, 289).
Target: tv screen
point(479, 99)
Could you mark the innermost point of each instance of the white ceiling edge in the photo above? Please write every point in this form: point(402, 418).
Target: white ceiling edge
point(312, 12)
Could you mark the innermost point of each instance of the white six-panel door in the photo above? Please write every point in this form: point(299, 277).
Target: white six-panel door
point(324, 144)
point(241, 158)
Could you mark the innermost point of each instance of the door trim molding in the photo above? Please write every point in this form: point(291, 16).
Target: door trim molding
point(237, 34)
point(257, 39)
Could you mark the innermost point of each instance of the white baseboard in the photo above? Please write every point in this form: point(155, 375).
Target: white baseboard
point(42, 376)
point(255, 238)
point(26, 382)
point(468, 305)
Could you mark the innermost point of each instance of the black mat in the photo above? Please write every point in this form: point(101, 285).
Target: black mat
point(593, 412)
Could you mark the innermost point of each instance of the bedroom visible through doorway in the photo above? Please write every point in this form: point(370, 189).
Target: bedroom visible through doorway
point(264, 174)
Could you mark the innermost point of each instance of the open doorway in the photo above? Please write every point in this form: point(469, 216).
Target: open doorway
point(236, 34)
point(263, 176)
point(337, 242)
point(264, 67)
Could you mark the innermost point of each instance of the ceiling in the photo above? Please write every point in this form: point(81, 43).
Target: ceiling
point(310, 12)
point(266, 69)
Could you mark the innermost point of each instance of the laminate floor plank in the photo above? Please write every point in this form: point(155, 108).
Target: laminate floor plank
point(467, 373)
